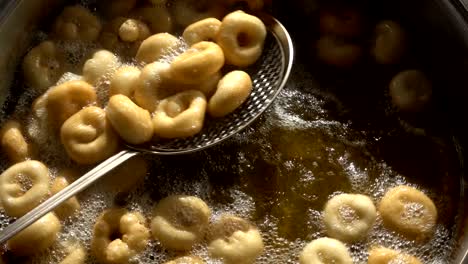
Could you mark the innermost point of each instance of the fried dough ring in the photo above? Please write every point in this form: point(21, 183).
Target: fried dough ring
point(77, 23)
point(235, 240)
point(349, 217)
point(36, 237)
point(88, 136)
point(198, 63)
point(180, 221)
point(203, 30)
point(408, 211)
point(180, 115)
point(381, 255)
point(16, 197)
point(231, 92)
point(241, 36)
point(324, 251)
point(133, 236)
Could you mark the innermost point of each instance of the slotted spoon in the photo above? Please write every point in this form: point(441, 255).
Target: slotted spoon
point(269, 76)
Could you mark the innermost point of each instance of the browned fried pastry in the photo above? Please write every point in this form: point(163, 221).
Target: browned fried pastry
point(36, 237)
point(235, 240)
point(349, 217)
point(241, 36)
point(180, 221)
point(133, 236)
point(408, 211)
point(231, 92)
point(324, 251)
point(180, 115)
point(16, 196)
point(88, 136)
point(382, 255)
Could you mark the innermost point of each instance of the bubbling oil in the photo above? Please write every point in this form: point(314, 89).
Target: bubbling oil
point(278, 174)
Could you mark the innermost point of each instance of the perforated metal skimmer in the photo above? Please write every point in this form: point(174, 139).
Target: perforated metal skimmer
point(269, 75)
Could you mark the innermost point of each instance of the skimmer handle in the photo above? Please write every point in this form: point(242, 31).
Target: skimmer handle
point(55, 200)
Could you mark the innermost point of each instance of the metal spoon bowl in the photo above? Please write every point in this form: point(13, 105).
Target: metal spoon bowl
point(269, 76)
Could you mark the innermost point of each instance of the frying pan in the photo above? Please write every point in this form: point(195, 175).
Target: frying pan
point(439, 33)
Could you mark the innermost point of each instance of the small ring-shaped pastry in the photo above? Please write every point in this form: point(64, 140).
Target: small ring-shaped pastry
point(16, 197)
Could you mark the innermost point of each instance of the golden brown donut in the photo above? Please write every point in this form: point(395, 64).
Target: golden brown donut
point(43, 65)
point(349, 217)
point(119, 235)
point(130, 121)
point(234, 240)
point(13, 142)
point(325, 251)
point(63, 101)
point(77, 23)
point(153, 85)
point(133, 30)
point(36, 237)
point(241, 36)
point(232, 91)
point(124, 35)
point(88, 136)
point(124, 81)
point(180, 115)
point(16, 197)
point(156, 83)
point(198, 63)
point(76, 254)
point(382, 255)
point(180, 221)
point(409, 212)
point(155, 47)
point(100, 67)
point(203, 30)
